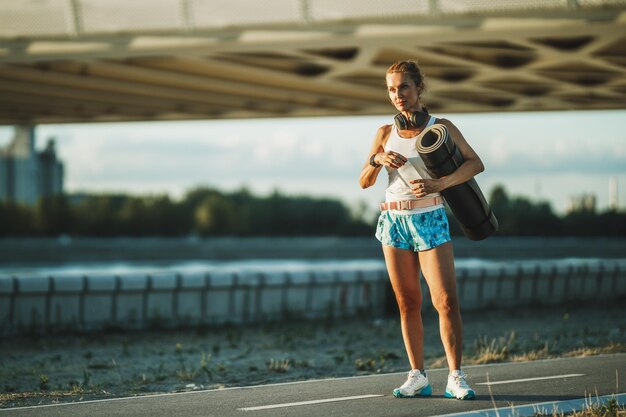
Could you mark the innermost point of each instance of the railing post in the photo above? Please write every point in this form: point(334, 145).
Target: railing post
point(81, 302)
point(115, 295)
point(583, 281)
point(599, 279)
point(568, 278)
point(48, 308)
point(533, 290)
point(359, 291)
point(481, 287)
point(518, 283)
point(13, 302)
point(203, 293)
point(338, 295)
point(231, 295)
point(144, 301)
point(309, 292)
point(501, 278)
point(616, 272)
point(258, 298)
point(284, 308)
point(175, 298)
point(245, 305)
point(553, 275)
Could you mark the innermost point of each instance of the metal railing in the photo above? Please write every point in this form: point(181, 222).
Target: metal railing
point(86, 303)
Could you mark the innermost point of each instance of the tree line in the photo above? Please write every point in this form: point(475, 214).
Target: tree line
point(519, 216)
point(210, 212)
point(202, 211)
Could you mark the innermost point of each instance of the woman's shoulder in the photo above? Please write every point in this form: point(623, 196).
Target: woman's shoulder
point(384, 129)
point(453, 130)
point(446, 122)
point(442, 120)
point(383, 133)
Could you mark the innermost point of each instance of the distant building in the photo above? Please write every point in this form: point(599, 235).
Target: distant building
point(25, 174)
point(583, 202)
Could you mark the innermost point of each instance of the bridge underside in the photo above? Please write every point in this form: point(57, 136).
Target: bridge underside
point(569, 58)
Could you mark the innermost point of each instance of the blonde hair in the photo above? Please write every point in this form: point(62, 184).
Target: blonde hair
point(410, 68)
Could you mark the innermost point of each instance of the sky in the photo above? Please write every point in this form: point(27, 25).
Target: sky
point(543, 156)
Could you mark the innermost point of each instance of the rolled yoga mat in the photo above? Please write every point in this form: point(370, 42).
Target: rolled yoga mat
point(442, 157)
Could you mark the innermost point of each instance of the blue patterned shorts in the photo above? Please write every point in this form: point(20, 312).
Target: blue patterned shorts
point(416, 232)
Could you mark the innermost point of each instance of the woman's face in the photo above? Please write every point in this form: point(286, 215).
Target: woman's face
point(402, 92)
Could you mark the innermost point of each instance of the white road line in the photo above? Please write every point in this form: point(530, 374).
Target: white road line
point(540, 378)
point(310, 381)
point(548, 408)
point(328, 400)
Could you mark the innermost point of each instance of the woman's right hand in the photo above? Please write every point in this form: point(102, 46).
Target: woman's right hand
point(391, 159)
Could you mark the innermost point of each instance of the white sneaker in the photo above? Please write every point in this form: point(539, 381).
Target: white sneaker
point(457, 387)
point(416, 385)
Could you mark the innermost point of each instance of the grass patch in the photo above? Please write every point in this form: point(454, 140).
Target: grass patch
point(610, 408)
point(613, 347)
point(15, 399)
point(511, 348)
point(279, 366)
point(224, 356)
point(494, 350)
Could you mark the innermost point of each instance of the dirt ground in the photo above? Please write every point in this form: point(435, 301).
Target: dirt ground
point(63, 368)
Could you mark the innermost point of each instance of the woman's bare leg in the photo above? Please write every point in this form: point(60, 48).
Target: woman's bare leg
point(403, 268)
point(438, 268)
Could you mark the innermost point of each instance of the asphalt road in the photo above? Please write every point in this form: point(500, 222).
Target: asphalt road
point(511, 384)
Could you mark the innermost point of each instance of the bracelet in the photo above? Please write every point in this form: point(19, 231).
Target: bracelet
point(373, 162)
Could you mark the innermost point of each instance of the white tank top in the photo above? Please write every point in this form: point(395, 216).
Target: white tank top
point(398, 189)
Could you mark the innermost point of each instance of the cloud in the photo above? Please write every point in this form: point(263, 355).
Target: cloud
point(509, 151)
point(325, 155)
point(517, 163)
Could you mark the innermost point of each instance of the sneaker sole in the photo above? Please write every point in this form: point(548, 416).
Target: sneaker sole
point(424, 392)
point(469, 396)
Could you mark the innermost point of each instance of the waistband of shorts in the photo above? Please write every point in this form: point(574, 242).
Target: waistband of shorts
point(412, 204)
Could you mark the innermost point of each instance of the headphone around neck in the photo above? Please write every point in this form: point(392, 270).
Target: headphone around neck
point(417, 119)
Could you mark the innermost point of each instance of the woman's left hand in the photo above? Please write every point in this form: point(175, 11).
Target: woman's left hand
point(423, 187)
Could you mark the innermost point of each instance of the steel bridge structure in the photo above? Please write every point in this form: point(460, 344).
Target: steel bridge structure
point(117, 60)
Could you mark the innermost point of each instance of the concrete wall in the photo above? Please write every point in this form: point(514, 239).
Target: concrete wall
point(86, 303)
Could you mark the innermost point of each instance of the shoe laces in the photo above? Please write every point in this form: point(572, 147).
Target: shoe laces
point(414, 373)
point(459, 379)
point(413, 377)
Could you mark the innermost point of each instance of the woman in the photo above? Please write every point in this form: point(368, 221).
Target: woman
point(415, 233)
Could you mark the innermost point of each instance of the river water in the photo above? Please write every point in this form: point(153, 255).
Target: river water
point(66, 256)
